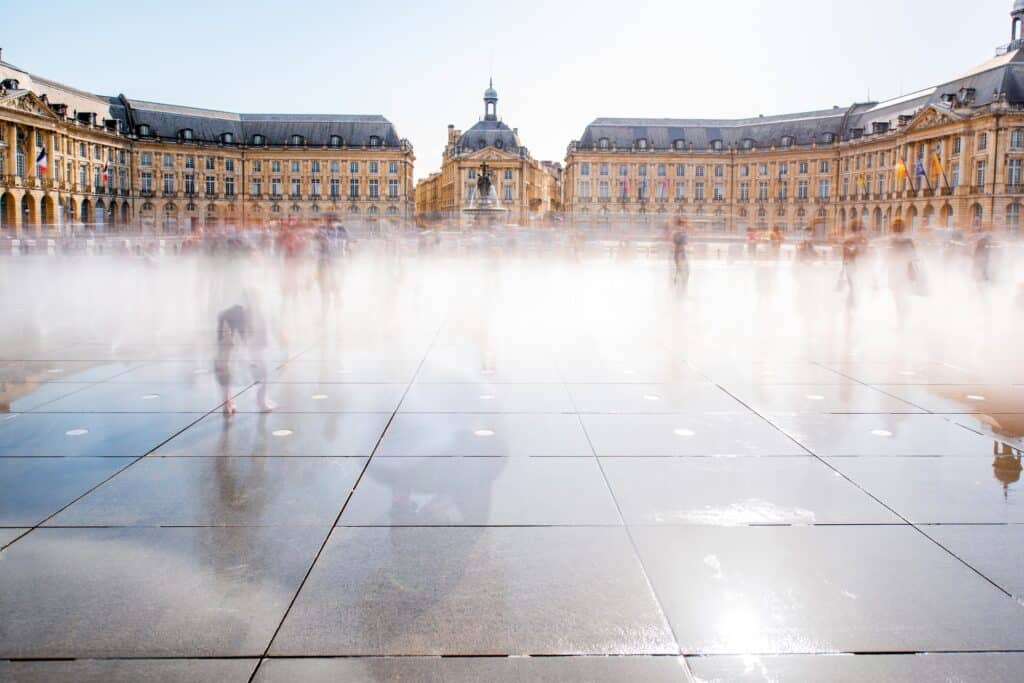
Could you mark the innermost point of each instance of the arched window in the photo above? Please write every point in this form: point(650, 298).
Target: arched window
point(335, 141)
point(374, 141)
point(258, 140)
point(143, 129)
point(641, 143)
point(296, 140)
point(603, 143)
point(227, 138)
point(977, 214)
point(1013, 217)
point(499, 144)
point(186, 134)
point(717, 145)
point(679, 144)
point(787, 141)
point(828, 138)
point(748, 144)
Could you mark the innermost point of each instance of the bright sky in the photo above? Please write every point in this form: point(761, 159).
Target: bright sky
point(557, 64)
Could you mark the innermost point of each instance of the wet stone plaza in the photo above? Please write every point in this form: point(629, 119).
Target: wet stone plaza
point(498, 466)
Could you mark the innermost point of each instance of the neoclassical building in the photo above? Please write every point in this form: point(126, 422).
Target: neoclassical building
point(71, 157)
point(950, 155)
point(529, 189)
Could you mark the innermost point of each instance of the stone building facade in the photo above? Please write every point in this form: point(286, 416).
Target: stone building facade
point(947, 156)
point(528, 188)
point(112, 162)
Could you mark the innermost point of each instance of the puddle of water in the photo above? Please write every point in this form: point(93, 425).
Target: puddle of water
point(76, 432)
point(282, 432)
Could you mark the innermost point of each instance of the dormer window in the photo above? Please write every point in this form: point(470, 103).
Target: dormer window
point(787, 141)
point(499, 144)
point(296, 140)
point(603, 143)
point(374, 141)
point(717, 145)
point(186, 134)
point(335, 141)
point(748, 144)
point(679, 144)
point(965, 95)
point(258, 140)
point(641, 143)
point(828, 138)
point(227, 138)
point(143, 129)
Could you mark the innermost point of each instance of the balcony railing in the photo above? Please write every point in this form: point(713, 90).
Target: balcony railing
point(1016, 188)
point(976, 189)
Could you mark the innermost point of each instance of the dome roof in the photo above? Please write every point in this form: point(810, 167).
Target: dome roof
point(492, 94)
point(490, 134)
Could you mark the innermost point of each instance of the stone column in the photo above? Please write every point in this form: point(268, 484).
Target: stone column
point(12, 150)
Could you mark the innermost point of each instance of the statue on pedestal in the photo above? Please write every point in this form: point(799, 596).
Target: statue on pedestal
point(483, 184)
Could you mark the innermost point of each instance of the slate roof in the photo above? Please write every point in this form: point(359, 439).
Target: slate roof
point(488, 133)
point(1002, 77)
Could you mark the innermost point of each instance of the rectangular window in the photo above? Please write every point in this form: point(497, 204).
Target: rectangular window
point(762, 191)
point(275, 166)
point(147, 181)
point(881, 185)
point(1017, 138)
point(190, 184)
point(353, 168)
point(1013, 172)
point(374, 167)
point(602, 189)
point(256, 187)
point(145, 159)
point(584, 189)
point(229, 186)
point(335, 187)
point(122, 179)
point(604, 169)
point(508, 174)
point(745, 171)
point(803, 168)
point(979, 175)
point(584, 169)
point(823, 167)
point(168, 161)
point(802, 190)
point(719, 192)
point(680, 171)
point(509, 191)
point(211, 184)
point(353, 187)
point(275, 187)
point(957, 144)
point(314, 166)
point(983, 142)
point(120, 156)
point(623, 170)
point(762, 169)
point(641, 170)
point(393, 167)
point(823, 188)
point(296, 167)
point(680, 190)
point(81, 149)
point(229, 165)
point(783, 191)
point(954, 174)
point(314, 187)
point(700, 171)
point(783, 169)
point(168, 183)
point(190, 162)
point(662, 170)
point(257, 166)
point(210, 163)
point(296, 187)
point(393, 188)
point(745, 191)
point(82, 178)
point(335, 166)
point(374, 188)
point(719, 171)
point(698, 192)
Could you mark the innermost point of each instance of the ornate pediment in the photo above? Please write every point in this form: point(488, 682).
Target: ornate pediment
point(933, 115)
point(491, 154)
point(28, 103)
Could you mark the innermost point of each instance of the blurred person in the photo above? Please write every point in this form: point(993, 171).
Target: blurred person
point(330, 245)
point(681, 276)
point(854, 248)
point(776, 239)
point(904, 273)
point(244, 327)
point(981, 259)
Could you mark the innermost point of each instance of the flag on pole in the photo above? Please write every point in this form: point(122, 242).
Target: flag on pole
point(901, 173)
point(41, 161)
point(919, 173)
point(937, 169)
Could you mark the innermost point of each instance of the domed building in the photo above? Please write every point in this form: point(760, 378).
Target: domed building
point(529, 189)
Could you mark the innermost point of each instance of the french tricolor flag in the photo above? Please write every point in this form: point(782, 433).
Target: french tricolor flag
point(41, 160)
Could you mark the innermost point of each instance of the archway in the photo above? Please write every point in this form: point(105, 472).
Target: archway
point(8, 210)
point(100, 214)
point(912, 219)
point(29, 210)
point(85, 211)
point(842, 219)
point(125, 216)
point(876, 220)
point(929, 215)
point(1013, 217)
point(946, 216)
point(977, 214)
point(47, 208)
point(112, 212)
